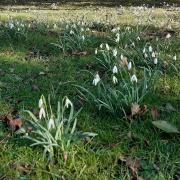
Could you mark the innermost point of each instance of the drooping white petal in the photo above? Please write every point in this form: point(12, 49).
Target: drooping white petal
point(134, 78)
point(42, 113)
point(51, 124)
point(115, 80)
point(115, 70)
point(115, 52)
point(40, 102)
point(96, 79)
point(107, 47)
point(155, 60)
point(150, 49)
point(129, 65)
point(68, 103)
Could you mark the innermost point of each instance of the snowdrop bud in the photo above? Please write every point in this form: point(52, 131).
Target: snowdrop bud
point(55, 26)
point(129, 66)
point(168, 36)
point(101, 46)
point(115, 80)
point(51, 124)
point(113, 30)
point(155, 61)
point(40, 103)
point(153, 54)
point(134, 78)
point(133, 44)
point(96, 51)
point(107, 47)
point(115, 52)
point(42, 113)
point(174, 57)
point(150, 49)
point(82, 29)
point(96, 79)
point(68, 102)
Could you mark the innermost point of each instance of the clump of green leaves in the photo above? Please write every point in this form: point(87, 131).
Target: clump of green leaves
point(55, 131)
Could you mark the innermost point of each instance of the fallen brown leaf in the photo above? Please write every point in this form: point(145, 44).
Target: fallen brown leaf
point(81, 53)
point(135, 109)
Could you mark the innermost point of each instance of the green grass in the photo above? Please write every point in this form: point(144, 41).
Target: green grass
point(20, 72)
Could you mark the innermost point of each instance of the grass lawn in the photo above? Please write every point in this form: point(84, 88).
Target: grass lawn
point(31, 65)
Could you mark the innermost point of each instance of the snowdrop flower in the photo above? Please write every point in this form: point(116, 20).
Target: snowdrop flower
point(96, 51)
point(168, 36)
point(153, 54)
point(83, 38)
point(82, 29)
point(145, 55)
point(129, 66)
point(96, 79)
point(115, 70)
point(107, 47)
point(150, 49)
point(133, 44)
point(174, 57)
point(117, 38)
point(71, 32)
point(114, 30)
point(40, 103)
point(42, 113)
point(122, 57)
point(134, 78)
point(11, 25)
point(68, 102)
point(155, 61)
point(101, 46)
point(115, 80)
point(67, 26)
point(115, 52)
point(138, 38)
point(144, 50)
point(55, 26)
point(51, 124)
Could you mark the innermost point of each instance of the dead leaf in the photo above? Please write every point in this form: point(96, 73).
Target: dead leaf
point(22, 168)
point(133, 164)
point(79, 53)
point(154, 113)
point(135, 109)
point(15, 124)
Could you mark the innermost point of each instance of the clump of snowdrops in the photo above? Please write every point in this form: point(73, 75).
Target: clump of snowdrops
point(55, 131)
point(74, 37)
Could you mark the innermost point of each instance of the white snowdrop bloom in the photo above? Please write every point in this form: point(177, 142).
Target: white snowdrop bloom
point(96, 79)
point(101, 46)
point(174, 57)
point(122, 57)
point(115, 80)
point(51, 124)
point(115, 52)
point(83, 38)
point(82, 29)
point(153, 54)
point(150, 49)
point(42, 113)
point(55, 26)
point(114, 30)
point(134, 78)
point(71, 32)
point(155, 60)
point(168, 36)
point(67, 26)
point(18, 29)
point(145, 55)
point(40, 103)
point(107, 47)
point(115, 70)
point(129, 66)
point(133, 44)
point(144, 50)
point(117, 38)
point(68, 102)
point(128, 28)
point(125, 46)
point(138, 38)
point(11, 25)
point(96, 51)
